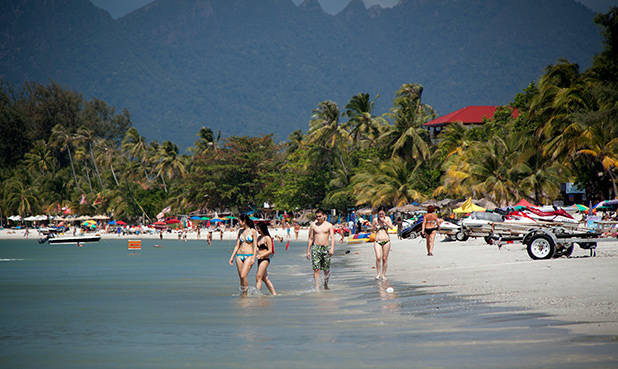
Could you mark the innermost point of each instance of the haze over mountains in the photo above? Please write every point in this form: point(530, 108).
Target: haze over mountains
point(257, 67)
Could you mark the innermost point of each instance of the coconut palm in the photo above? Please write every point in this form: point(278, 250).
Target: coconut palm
point(326, 132)
point(362, 124)
point(40, 158)
point(86, 137)
point(20, 197)
point(407, 137)
point(388, 182)
point(64, 139)
point(169, 164)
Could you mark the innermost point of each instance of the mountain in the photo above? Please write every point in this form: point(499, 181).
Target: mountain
point(253, 68)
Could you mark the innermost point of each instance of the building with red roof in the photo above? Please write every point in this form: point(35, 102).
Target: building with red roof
point(470, 115)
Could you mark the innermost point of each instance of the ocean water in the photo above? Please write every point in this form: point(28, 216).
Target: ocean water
point(178, 306)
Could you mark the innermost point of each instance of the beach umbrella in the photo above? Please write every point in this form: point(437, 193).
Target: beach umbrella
point(89, 223)
point(15, 218)
point(113, 222)
point(120, 222)
point(30, 219)
point(195, 218)
point(580, 207)
point(468, 207)
point(159, 222)
point(205, 218)
point(230, 217)
point(254, 218)
point(172, 221)
point(216, 220)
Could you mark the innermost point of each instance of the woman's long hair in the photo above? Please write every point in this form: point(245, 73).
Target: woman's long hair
point(264, 229)
point(245, 218)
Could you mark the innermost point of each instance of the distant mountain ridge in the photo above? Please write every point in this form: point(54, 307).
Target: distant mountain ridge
point(253, 68)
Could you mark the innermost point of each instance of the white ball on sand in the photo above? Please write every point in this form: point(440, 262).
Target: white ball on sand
point(390, 290)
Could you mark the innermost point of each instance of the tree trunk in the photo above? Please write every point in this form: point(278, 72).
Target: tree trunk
point(88, 177)
point(163, 180)
point(73, 168)
point(96, 169)
point(114, 175)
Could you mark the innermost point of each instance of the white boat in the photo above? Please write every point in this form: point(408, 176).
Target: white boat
point(64, 240)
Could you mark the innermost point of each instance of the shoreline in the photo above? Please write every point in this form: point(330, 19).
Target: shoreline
point(580, 291)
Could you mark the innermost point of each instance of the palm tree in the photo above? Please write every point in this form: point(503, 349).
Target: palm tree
point(389, 182)
point(362, 123)
point(326, 132)
point(407, 137)
point(86, 136)
point(169, 164)
point(20, 197)
point(64, 139)
point(40, 158)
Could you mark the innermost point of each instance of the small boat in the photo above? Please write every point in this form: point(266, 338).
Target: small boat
point(63, 240)
point(360, 238)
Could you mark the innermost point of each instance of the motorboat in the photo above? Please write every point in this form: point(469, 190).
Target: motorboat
point(52, 239)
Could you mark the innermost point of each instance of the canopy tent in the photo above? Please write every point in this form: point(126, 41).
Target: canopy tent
point(14, 218)
point(525, 203)
point(468, 207)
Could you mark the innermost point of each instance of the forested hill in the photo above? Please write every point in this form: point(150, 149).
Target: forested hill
point(254, 67)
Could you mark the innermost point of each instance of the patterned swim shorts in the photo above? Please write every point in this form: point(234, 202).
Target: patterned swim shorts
point(320, 259)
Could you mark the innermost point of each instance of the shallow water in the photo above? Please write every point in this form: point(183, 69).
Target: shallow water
point(102, 306)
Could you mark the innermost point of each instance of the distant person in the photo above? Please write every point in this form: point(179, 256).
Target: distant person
point(160, 234)
point(287, 230)
point(222, 229)
point(209, 237)
point(27, 233)
point(245, 251)
point(430, 228)
point(382, 243)
point(198, 233)
point(265, 245)
point(296, 229)
point(321, 235)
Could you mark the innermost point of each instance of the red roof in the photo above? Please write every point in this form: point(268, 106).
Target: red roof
point(468, 115)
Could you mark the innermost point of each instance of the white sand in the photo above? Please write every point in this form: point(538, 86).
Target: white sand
point(580, 290)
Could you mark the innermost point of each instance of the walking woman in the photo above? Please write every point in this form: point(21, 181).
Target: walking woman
point(430, 228)
point(265, 246)
point(382, 243)
point(245, 250)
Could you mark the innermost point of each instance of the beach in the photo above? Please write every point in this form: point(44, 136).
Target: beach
point(581, 291)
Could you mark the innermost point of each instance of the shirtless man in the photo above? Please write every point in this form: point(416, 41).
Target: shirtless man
point(321, 234)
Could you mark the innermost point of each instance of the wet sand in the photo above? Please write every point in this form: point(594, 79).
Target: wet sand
point(581, 291)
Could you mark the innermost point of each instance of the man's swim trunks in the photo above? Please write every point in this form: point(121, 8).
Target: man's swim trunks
point(320, 259)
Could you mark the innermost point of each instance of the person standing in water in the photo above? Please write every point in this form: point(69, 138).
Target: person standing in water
point(321, 234)
point(245, 251)
point(430, 228)
point(382, 243)
point(265, 247)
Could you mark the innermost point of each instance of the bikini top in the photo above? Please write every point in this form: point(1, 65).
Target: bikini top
point(242, 237)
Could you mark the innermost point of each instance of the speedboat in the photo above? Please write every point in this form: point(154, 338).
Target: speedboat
point(64, 240)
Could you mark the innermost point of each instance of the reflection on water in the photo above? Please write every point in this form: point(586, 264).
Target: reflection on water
point(178, 305)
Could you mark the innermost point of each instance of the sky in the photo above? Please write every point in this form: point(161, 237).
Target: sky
point(118, 8)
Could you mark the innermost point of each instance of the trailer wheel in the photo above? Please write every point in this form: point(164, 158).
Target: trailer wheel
point(413, 235)
point(489, 240)
point(461, 236)
point(541, 246)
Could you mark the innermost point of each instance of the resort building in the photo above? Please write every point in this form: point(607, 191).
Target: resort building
point(470, 116)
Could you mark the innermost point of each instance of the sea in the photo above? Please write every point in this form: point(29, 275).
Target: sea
point(177, 304)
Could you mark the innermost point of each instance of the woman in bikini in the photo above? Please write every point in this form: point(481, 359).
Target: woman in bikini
point(382, 245)
point(430, 228)
point(265, 246)
point(245, 250)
